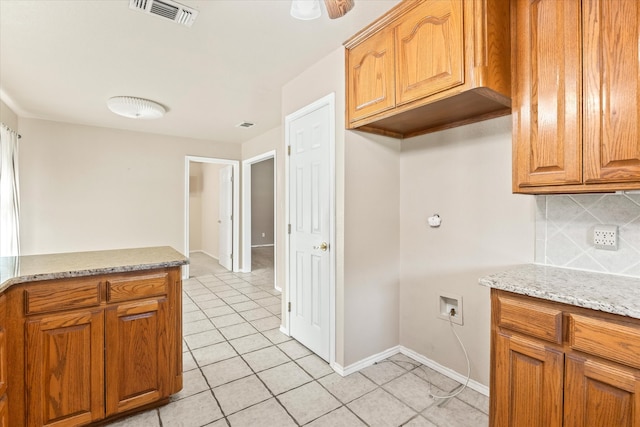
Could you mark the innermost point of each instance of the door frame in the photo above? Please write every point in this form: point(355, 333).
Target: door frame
point(236, 206)
point(328, 100)
point(246, 212)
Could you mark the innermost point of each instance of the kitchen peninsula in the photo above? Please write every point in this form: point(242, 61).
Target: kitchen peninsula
point(88, 336)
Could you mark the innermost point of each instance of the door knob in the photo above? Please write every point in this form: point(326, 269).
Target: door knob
point(323, 246)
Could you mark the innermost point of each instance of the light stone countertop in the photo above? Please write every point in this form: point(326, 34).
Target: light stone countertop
point(31, 268)
point(598, 291)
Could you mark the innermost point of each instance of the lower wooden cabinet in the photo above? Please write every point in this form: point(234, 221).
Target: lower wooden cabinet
point(65, 369)
point(83, 350)
point(4, 412)
point(558, 365)
point(138, 360)
point(529, 375)
point(598, 393)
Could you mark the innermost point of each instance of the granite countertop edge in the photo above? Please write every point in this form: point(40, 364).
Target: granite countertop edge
point(604, 292)
point(109, 262)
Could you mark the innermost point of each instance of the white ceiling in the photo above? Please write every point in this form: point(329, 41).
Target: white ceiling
point(62, 59)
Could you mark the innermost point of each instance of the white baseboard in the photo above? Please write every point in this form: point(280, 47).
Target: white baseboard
point(204, 252)
point(475, 385)
point(355, 367)
point(284, 330)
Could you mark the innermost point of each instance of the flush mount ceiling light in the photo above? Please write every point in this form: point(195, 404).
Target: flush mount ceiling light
point(135, 108)
point(305, 10)
point(310, 9)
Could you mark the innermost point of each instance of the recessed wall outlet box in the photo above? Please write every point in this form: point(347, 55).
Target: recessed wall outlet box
point(605, 237)
point(448, 302)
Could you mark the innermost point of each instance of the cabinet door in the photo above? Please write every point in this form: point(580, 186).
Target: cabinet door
point(64, 369)
point(528, 383)
point(599, 394)
point(430, 50)
point(137, 363)
point(611, 90)
point(547, 89)
point(370, 79)
point(4, 412)
point(3, 346)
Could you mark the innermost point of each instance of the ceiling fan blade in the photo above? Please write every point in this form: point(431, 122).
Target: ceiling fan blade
point(338, 8)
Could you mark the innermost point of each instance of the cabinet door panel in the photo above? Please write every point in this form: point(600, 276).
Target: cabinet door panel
point(547, 87)
point(600, 394)
point(430, 50)
point(65, 371)
point(370, 76)
point(612, 90)
point(138, 358)
point(4, 412)
point(528, 383)
point(3, 346)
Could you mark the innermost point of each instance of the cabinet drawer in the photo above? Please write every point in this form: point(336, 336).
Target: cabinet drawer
point(530, 318)
point(134, 287)
point(617, 341)
point(62, 295)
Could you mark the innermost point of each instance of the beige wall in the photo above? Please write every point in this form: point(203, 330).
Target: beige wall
point(363, 302)
point(8, 117)
point(464, 175)
point(90, 188)
point(262, 193)
point(372, 245)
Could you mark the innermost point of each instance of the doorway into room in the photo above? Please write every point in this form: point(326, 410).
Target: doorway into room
point(259, 216)
point(211, 213)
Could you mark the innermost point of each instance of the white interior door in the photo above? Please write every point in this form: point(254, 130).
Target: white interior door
point(309, 240)
point(225, 219)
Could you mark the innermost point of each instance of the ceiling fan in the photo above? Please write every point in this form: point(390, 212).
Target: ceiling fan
point(310, 9)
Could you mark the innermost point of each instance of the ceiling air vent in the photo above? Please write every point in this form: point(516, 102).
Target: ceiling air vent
point(245, 125)
point(166, 9)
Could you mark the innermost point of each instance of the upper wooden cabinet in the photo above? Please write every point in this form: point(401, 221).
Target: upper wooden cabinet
point(576, 86)
point(428, 65)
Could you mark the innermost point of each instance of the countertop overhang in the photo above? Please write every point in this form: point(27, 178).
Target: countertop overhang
point(598, 291)
point(31, 268)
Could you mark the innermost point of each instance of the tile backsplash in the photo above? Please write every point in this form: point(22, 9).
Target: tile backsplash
point(564, 230)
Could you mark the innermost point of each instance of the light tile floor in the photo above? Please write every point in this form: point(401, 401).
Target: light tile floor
point(240, 370)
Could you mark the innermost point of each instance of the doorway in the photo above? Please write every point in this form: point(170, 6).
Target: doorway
point(259, 214)
point(211, 211)
point(310, 206)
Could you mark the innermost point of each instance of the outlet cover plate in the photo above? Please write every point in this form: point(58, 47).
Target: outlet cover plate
point(605, 237)
point(447, 301)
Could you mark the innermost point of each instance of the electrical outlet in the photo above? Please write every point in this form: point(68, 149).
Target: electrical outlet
point(605, 237)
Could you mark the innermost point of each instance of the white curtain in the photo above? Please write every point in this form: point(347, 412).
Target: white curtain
point(9, 197)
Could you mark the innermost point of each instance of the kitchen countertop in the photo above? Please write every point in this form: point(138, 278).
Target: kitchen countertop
point(597, 291)
point(31, 268)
